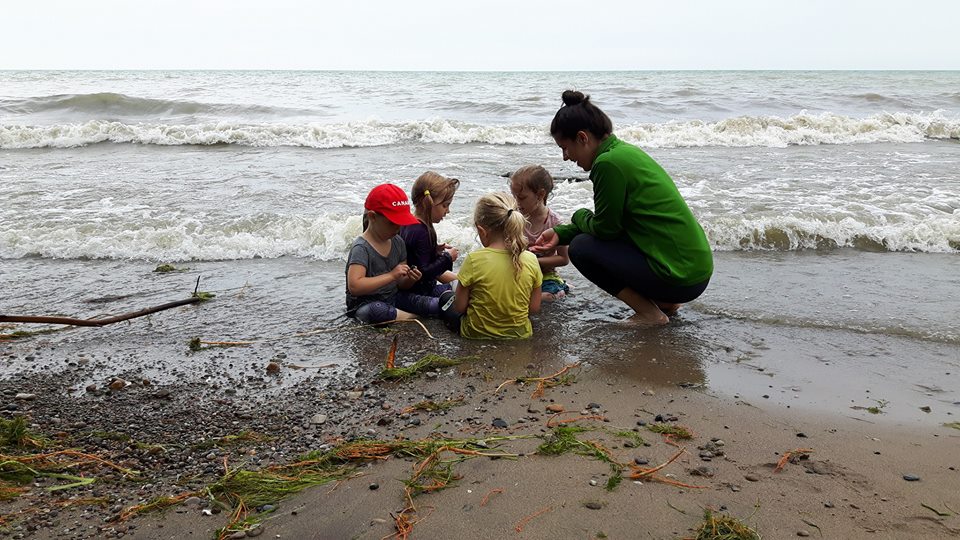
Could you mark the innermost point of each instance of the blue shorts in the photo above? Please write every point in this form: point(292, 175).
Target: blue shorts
point(553, 286)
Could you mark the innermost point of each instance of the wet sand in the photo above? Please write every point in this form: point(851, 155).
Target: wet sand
point(749, 379)
point(852, 485)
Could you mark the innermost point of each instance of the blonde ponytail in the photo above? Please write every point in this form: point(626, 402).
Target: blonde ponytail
point(497, 213)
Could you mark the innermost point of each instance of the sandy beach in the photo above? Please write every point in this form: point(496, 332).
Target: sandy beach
point(869, 409)
point(830, 328)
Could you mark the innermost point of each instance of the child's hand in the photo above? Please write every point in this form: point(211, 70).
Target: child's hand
point(454, 252)
point(546, 242)
point(415, 274)
point(399, 272)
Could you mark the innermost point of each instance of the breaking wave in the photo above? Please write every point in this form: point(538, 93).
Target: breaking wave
point(743, 131)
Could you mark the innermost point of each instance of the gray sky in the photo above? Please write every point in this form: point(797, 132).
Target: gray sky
point(480, 35)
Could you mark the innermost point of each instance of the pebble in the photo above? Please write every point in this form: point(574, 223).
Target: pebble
point(256, 531)
point(702, 470)
point(802, 435)
point(318, 418)
point(555, 408)
point(751, 478)
point(354, 395)
point(193, 501)
point(641, 461)
point(593, 505)
point(118, 384)
point(499, 423)
point(803, 533)
point(237, 535)
point(273, 367)
point(593, 405)
point(593, 481)
point(25, 397)
point(533, 410)
point(911, 478)
point(828, 504)
point(374, 486)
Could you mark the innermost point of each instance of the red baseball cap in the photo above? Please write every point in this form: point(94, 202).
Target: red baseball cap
point(392, 202)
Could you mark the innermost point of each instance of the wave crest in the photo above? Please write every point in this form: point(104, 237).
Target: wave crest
point(744, 131)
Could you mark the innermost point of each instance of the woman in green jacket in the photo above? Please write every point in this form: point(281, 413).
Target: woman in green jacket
point(641, 243)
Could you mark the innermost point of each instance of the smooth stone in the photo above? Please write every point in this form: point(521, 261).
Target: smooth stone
point(751, 478)
point(374, 486)
point(641, 461)
point(499, 423)
point(593, 505)
point(803, 533)
point(911, 478)
point(555, 408)
point(318, 418)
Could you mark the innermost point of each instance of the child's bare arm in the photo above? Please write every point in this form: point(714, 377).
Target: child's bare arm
point(535, 297)
point(552, 262)
point(447, 277)
point(360, 285)
point(412, 277)
point(462, 299)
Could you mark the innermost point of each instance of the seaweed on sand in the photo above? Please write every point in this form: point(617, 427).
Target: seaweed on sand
point(724, 527)
point(430, 361)
point(563, 439)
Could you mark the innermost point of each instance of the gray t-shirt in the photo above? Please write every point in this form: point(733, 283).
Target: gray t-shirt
point(362, 253)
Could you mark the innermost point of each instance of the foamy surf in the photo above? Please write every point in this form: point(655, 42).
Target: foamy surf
point(743, 131)
point(328, 237)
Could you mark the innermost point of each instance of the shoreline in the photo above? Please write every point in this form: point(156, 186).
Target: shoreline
point(867, 492)
point(732, 359)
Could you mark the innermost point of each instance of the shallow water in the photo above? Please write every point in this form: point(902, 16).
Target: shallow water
point(831, 200)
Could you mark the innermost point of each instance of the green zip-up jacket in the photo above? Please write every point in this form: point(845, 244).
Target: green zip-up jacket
point(635, 198)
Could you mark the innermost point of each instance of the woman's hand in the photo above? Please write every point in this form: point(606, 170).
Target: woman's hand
point(546, 242)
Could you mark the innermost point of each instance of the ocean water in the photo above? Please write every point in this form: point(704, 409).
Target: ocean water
point(832, 199)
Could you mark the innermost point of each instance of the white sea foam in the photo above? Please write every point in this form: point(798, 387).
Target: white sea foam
point(744, 131)
point(328, 237)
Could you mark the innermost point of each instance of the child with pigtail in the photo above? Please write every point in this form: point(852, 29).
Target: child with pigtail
point(431, 195)
point(499, 285)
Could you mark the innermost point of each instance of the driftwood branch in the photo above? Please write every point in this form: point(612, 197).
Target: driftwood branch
point(97, 322)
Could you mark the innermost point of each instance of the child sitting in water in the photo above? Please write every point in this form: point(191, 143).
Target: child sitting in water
point(531, 185)
point(377, 272)
point(431, 196)
point(499, 284)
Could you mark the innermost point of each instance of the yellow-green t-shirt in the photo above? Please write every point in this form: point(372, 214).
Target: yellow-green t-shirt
point(499, 297)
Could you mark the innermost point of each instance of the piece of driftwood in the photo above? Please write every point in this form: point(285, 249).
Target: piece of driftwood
point(97, 322)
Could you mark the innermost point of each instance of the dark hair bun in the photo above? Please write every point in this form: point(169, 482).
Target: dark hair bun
point(572, 97)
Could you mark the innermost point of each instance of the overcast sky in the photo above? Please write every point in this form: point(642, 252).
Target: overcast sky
point(480, 35)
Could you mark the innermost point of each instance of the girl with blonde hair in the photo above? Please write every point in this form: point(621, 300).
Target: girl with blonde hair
point(499, 285)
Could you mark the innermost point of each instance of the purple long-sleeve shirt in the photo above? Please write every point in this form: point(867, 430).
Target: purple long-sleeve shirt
point(422, 252)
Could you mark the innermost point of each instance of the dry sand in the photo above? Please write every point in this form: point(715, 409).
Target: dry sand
point(851, 486)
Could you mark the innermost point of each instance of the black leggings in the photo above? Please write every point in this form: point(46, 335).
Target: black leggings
point(617, 264)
